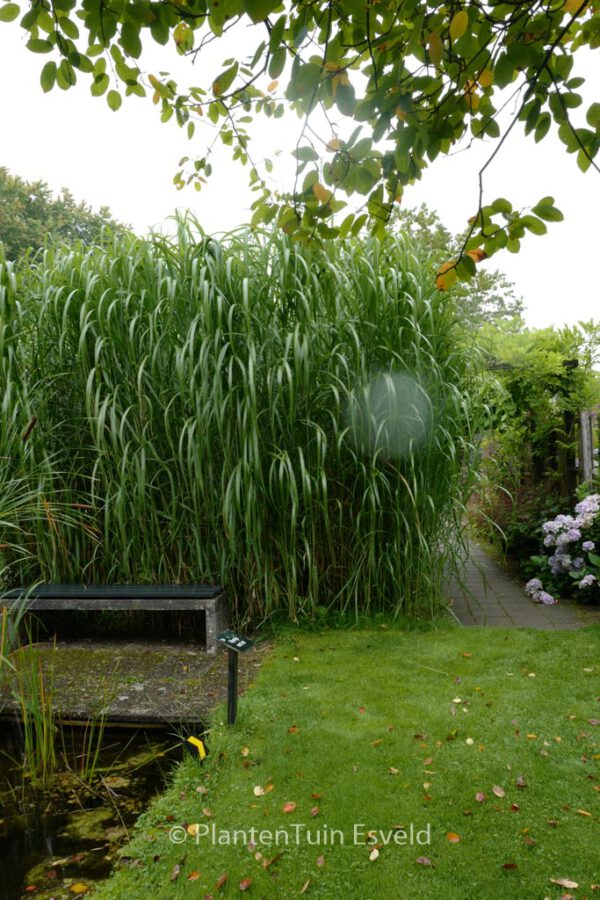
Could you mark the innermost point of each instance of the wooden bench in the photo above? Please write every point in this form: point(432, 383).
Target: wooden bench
point(209, 599)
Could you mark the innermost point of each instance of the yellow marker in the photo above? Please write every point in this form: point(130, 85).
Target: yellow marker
point(199, 745)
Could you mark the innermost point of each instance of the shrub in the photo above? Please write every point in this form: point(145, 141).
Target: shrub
point(570, 564)
point(293, 422)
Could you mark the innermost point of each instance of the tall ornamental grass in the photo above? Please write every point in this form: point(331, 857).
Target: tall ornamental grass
point(294, 423)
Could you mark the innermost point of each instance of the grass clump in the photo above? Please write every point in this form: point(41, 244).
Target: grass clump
point(484, 739)
point(296, 423)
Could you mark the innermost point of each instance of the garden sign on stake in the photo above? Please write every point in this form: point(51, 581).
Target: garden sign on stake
point(235, 643)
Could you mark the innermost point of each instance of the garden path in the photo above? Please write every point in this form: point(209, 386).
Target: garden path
point(489, 596)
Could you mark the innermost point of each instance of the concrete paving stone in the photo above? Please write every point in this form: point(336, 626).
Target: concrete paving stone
point(488, 596)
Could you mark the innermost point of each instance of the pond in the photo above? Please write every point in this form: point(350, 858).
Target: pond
point(59, 839)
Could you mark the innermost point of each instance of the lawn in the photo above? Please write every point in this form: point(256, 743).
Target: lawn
point(471, 754)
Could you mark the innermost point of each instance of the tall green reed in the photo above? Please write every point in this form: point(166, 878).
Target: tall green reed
point(211, 411)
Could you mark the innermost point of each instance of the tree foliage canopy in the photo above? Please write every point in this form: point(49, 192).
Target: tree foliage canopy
point(29, 213)
point(393, 86)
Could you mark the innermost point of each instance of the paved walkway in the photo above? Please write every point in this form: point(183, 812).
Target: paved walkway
point(491, 597)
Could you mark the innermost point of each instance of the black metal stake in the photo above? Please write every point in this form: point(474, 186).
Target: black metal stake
point(232, 686)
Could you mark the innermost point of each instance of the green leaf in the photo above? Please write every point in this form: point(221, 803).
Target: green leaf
point(594, 559)
point(114, 100)
point(130, 40)
point(535, 225)
point(502, 206)
point(48, 76)
point(542, 127)
point(224, 80)
point(503, 71)
point(9, 12)
point(305, 154)
point(593, 115)
point(546, 210)
point(258, 10)
point(38, 46)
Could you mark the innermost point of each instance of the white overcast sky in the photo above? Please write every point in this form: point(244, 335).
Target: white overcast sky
point(127, 160)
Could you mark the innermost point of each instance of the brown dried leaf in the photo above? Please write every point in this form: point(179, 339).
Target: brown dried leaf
point(423, 861)
point(289, 807)
point(221, 881)
point(509, 866)
point(315, 811)
point(320, 860)
point(193, 876)
point(245, 883)
point(480, 797)
point(373, 855)
point(452, 837)
point(498, 791)
point(564, 882)
point(175, 872)
point(304, 887)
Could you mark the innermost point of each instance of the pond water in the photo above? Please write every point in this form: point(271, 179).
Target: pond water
point(59, 839)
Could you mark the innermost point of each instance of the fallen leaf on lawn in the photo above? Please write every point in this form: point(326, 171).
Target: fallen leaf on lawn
point(361, 710)
point(293, 729)
point(201, 789)
point(245, 883)
point(553, 823)
point(320, 860)
point(452, 837)
point(79, 888)
point(498, 791)
point(456, 700)
point(531, 736)
point(207, 812)
point(564, 882)
point(221, 880)
point(428, 761)
point(289, 807)
point(304, 887)
point(175, 872)
point(514, 807)
point(421, 737)
point(193, 876)
point(316, 796)
point(529, 841)
point(520, 782)
point(594, 721)
point(373, 854)
point(269, 787)
point(509, 865)
point(480, 797)
point(467, 655)
point(423, 861)
point(245, 751)
point(193, 829)
point(393, 771)
point(469, 742)
point(377, 742)
point(315, 811)
point(258, 791)
point(583, 812)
